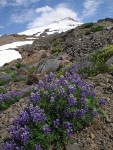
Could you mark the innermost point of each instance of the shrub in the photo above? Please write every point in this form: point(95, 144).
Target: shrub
point(57, 109)
point(2, 90)
point(57, 45)
point(103, 54)
point(96, 29)
point(96, 62)
point(18, 65)
point(87, 25)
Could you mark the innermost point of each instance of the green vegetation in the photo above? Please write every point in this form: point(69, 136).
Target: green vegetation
point(96, 29)
point(57, 45)
point(18, 65)
point(87, 25)
point(3, 91)
point(96, 62)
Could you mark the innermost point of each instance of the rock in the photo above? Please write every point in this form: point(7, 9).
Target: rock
point(4, 77)
point(109, 28)
point(40, 68)
point(65, 62)
point(110, 61)
point(72, 147)
point(13, 68)
point(51, 65)
point(92, 136)
point(22, 71)
point(32, 78)
point(108, 120)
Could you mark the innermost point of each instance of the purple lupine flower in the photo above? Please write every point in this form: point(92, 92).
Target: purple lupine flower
point(102, 102)
point(75, 114)
point(19, 134)
point(68, 127)
point(23, 118)
point(51, 75)
point(94, 113)
point(38, 147)
point(61, 79)
point(82, 113)
point(35, 97)
point(82, 100)
point(72, 100)
point(40, 84)
point(65, 83)
point(56, 123)
point(8, 146)
point(52, 99)
point(15, 93)
point(67, 113)
point(69, 132)
point(62, 92)
point(85, 107)
point(49, 86)
point(11, 146)
point(36, 89)
point(67, 124)
point(46, 129)
point(49, 78)
point(71, 89)
point(37, 114)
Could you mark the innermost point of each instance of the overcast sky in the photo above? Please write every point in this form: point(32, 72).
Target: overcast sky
point(19, 15)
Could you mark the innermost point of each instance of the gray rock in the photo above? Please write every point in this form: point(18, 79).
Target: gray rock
point(110, 61)
point(13, 68)
point(109, 28)
point(72, 147)
point(40, 68)
point(51, 65)
point(4, 77)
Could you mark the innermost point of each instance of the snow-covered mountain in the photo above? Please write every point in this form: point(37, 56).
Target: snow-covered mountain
point(7, 51)
point(55, 27)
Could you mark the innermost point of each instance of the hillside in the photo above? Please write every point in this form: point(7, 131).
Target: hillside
point(28, 81)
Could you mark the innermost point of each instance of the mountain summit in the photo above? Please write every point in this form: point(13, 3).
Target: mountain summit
point(55, 27)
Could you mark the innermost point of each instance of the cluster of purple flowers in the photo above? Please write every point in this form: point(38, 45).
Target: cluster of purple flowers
point(9, 97)
point(56, 105)
point(20, 134)
point(69, 128)
point(28, 115)
point(46, 129)
point(38, 147)
point(11, 146)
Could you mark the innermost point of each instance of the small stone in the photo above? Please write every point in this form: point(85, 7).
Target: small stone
point(72, 147)
point(92, 136)
point(108, 120)
point(93, 146)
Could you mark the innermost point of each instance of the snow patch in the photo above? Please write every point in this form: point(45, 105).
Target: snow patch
point(8, 55)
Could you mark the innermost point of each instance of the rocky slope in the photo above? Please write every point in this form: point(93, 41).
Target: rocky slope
point(50, 54)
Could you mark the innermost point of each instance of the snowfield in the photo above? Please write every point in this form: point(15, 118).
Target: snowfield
point(7, 55)
point(57, 26)
point(7, 52)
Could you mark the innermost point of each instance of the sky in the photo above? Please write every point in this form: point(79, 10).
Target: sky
point(19, 15)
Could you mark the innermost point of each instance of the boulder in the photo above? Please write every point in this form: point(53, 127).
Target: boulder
point(51, 65)
point(4, 77)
